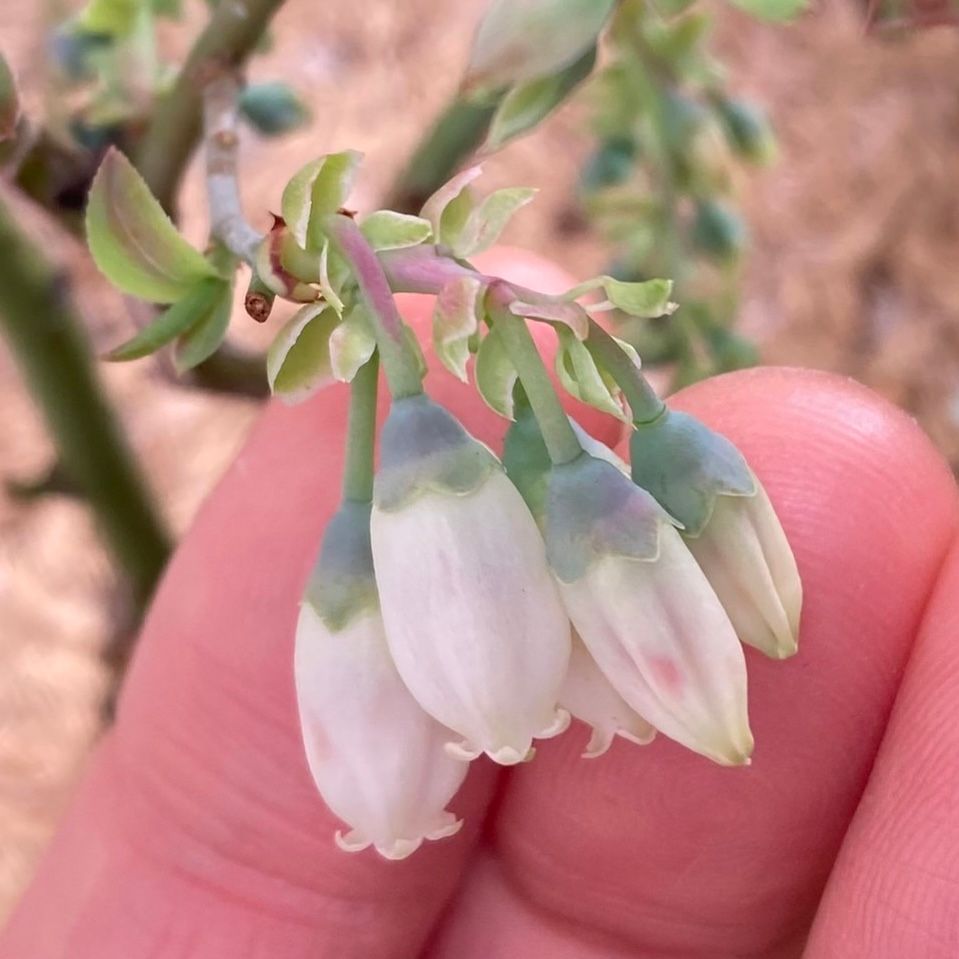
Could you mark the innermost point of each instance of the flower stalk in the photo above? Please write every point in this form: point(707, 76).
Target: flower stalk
point(361, 434)
point(644, 404)
point(560, 439)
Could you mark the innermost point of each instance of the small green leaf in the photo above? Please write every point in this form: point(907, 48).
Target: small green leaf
point(9, 102)
point(273, 108)
point(647, 299)
point(176, 320)
point(203, 339)
point(455, 321)
point(317, 190)
point(351, 344)
point(531, 102)
point(489, 219)
point(298, 363)
point(495, 374)
point(386, 230)
point(772, 9)
point(582, 378)
point(454, 193)
point(133, 242)
point(115, 18)
point(521, 41)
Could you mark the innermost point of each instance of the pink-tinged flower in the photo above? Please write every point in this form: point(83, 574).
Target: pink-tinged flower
point(473, 617)
point(377, 758)
point(646, 611)
point(590, 697)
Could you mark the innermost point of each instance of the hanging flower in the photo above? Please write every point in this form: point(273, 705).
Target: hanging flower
point(729, 525)
point(377, 759)
point(590, 697)
point(645, 610)
point(473, 618)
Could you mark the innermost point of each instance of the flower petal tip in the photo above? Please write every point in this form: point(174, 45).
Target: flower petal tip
point(399, 849)
point(560, 724)
point(463, 750)
point(448, 826)
point(510, 756)
point(351, 841)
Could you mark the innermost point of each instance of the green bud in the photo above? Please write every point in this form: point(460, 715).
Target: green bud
point(273, 108)
point(685, 466)
point(748, 130)
point(718, 232)
point(611, 164)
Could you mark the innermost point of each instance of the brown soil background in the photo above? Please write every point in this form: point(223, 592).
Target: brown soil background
point(854, 268)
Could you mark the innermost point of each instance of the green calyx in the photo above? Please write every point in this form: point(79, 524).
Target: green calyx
point(593, 512)
point(685, 466)
point(423, 448)
point(342, 585)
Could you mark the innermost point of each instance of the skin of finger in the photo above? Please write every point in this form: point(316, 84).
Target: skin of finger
point(198, 822)
point(895, 889)
point(671, 855)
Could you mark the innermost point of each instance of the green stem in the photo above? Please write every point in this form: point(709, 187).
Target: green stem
point(561, 441)
point(456, 133)
point(644, 404)
point(361, 433)
point(48, 343)
point(233, 31)
point(399, 361)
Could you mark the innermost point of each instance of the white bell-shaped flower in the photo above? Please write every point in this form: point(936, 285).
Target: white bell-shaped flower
point(590, 697)
point(646, 611)
point(377, 758)
point(745, 555)
point(729, 524)
point(473, 618)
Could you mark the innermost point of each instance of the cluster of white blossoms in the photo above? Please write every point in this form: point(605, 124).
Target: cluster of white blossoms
point(457, 616)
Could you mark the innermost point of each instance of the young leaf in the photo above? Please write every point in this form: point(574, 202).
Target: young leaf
point(489, 219)
point(133, 242)
point(298, 362)
point(176, 320)
point(647, 299)
point(495, 374)
point(772, 9)
point(351, 344)
point(531, 102)
point(272, 108)
point(455, 320)
point(9, 102)
point(203, 339)
point(317, 190)
point(521, 41)
point(581, 377)
point(386, 230)
point(453, 193)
